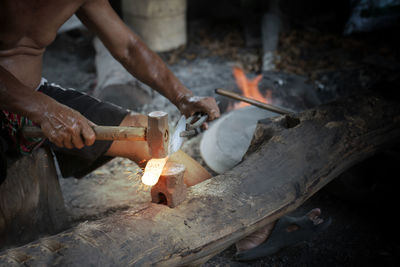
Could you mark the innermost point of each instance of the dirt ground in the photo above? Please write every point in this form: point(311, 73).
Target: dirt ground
point(361, 202)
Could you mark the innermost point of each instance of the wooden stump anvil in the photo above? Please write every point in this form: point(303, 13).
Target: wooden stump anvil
point(170, 188)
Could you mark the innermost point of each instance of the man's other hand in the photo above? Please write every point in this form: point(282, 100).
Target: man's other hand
point(189, 105)
point(66, 127)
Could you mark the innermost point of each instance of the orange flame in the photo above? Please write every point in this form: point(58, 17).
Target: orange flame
point(249, 88)
point(153, 170)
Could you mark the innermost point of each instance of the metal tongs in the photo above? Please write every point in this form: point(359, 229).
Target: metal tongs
point(185, 128)
point(193, 125)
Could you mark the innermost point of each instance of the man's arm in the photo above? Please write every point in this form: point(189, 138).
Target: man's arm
point(139, 60)
point(62, 125)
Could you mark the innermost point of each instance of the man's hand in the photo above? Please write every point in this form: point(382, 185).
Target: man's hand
point(62, 125)
point(188, 105)
point(66, 127)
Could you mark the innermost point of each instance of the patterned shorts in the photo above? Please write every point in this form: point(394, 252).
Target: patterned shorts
point(11, 123)
point(72, 162)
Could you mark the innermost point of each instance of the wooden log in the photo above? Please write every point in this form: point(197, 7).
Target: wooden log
point(290, 159)
point(31, 201)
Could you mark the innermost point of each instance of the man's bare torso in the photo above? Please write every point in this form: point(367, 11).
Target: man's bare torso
point(27, 27)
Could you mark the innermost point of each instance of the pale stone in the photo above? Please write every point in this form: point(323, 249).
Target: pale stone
point(160, 23)
point(227, 140)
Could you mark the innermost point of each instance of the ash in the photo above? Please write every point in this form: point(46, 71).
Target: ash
point(312, 68)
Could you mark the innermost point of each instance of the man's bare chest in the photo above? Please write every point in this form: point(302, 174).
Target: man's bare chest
point(33, 22)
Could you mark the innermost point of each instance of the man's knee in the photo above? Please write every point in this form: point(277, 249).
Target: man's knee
point(137, 151)
point(134, 119)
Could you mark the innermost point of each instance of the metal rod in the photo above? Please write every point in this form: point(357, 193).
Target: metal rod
point(252, 101)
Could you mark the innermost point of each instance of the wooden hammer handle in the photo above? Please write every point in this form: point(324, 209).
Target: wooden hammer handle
point(113, 133)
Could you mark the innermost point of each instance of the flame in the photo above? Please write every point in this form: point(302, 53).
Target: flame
point(153, 171)
point(249, 88)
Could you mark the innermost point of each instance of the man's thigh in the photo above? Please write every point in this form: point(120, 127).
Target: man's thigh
point(138, 151)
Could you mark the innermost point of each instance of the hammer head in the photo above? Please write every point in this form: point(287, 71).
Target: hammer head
point(157, 134)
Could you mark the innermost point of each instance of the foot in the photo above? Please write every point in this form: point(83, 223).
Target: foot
point(286, 231)
point(255, 239)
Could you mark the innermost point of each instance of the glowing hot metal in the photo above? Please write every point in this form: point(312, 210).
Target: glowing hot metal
point(153, 170)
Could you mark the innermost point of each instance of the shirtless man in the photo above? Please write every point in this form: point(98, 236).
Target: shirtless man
point(27, 27)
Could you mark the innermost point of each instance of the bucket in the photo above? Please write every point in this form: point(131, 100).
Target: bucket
point(160, 23)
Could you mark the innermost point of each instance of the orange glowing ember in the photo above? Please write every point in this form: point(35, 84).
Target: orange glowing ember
point(153, 171)
point(249, 88)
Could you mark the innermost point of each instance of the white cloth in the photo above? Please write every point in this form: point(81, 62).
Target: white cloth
point(42, 82)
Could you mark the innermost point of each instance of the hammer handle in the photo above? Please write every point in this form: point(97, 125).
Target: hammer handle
point(112, 133)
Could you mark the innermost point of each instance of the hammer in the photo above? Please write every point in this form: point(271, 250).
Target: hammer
point(156, 133)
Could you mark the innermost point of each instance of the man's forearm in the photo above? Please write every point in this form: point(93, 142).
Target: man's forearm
point(148, 67)
point(20, 99)
point(139, 60)
point(130, 50)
